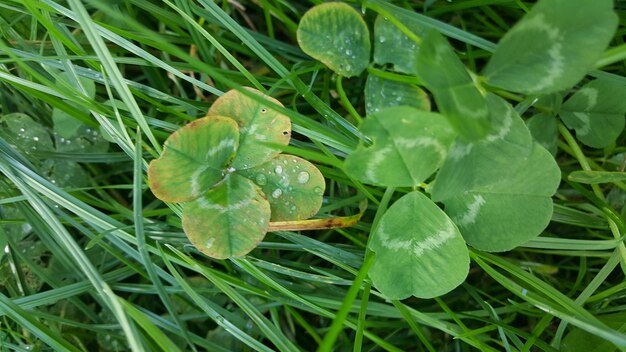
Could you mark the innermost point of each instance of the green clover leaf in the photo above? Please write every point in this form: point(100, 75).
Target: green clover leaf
point(498, 190)
point(596, 111)
point(335, 34)
point(546, 51)
point(413, 143)
point(391, 46)
point(456, 93)
point(382, 93)
point(226, 168)
point(419, 250)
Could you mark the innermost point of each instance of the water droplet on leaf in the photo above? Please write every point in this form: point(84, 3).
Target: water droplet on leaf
point(303, 177)
point(277, 193)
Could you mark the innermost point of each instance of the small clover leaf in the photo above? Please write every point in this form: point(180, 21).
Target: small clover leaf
point(293, 186)
point(596, 111)
point(64, 124)
point(408, 146)
point(25, 133)
point(228, 220)
point(32, 137)
point(335, 34)
point(213, 163)
point(259, 126)
point(77, 138)
point(391, 46)
point(382, 93)
point(194, 159)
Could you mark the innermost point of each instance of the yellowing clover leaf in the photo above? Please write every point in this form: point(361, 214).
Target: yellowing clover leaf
point(194, 159)
point(258, 126)
point(294, 187)
point(224, 167)
point(229, 220)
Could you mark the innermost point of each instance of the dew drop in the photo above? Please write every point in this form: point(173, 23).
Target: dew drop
point(277, 193)
point(318, 190)
point(278, 169)
point(303, 177)
point(22, 130)
point(348, 52)
point(261, 179)
point(36, 139)
point(382, 39)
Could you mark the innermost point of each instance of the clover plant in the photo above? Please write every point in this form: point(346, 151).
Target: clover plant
point(473, 172)
point(66, 135)
point(233, 180)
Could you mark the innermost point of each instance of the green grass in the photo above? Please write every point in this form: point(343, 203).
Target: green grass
point(99, 264)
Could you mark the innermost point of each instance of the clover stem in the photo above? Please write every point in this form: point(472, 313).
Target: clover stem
point(318, 224)
point(346, 102)
point(582, 160)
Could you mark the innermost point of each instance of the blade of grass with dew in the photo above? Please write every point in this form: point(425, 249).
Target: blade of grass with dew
point(66, 240)
point(141, 241)
point(30, 323)
point(109, 66)
point(569, 312)
point(157, 335)
point(270, 331)
point(206, 306)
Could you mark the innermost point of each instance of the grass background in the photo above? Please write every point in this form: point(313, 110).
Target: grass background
point(97, 263)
